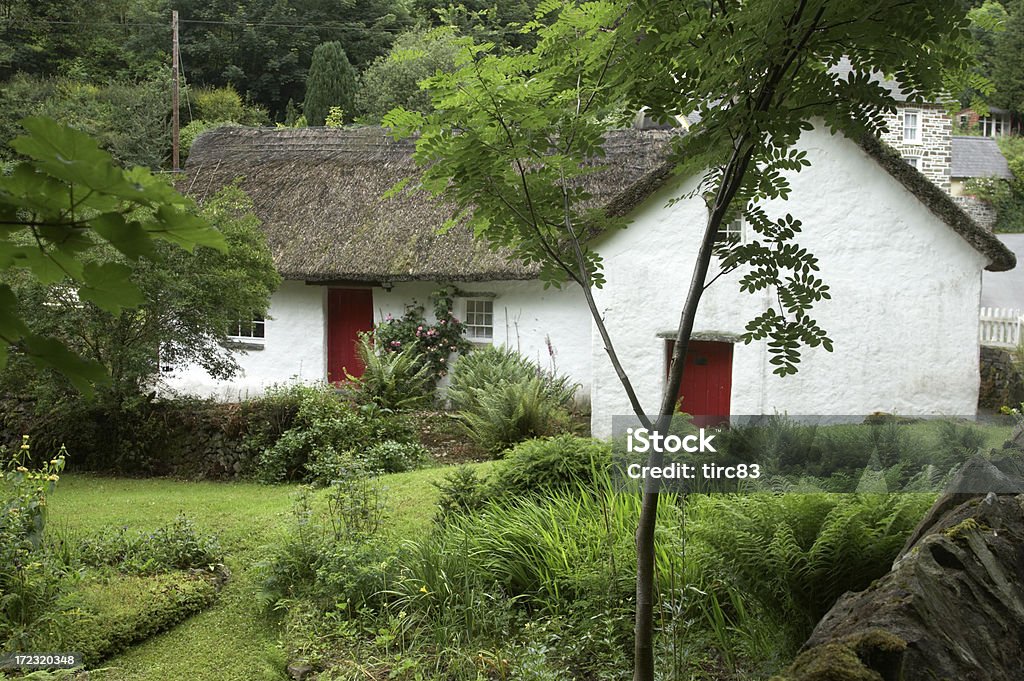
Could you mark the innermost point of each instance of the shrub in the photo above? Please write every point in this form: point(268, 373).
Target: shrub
point(393, 380)
point(463, 490)
point(177, 546)
point(390, 456)
point(334, 559)
point(795, 554)
point(325, 431)
point(546, 464)
point(434, 343)
point(490, 366)
point(507, 413)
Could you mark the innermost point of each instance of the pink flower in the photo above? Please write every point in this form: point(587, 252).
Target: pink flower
point(388, 317)
point(396, 344)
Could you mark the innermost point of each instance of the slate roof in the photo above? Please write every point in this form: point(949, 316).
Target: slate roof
point(978, 157)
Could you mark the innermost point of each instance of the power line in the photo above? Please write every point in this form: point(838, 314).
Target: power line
point(348, 26)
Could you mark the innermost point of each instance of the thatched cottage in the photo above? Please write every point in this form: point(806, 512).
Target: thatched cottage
point(903, 261)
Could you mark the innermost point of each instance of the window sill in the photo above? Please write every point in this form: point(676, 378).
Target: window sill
point(246, 344)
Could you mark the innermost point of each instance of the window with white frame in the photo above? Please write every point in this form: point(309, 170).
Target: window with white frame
point(731, 232)
point(248, 329)
point(913, 160)
point(479, 320)
point(912, 127)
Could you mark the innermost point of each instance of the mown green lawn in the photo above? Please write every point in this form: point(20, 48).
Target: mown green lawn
point(232, 640)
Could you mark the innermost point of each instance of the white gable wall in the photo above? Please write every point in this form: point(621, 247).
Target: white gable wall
point(903, 315)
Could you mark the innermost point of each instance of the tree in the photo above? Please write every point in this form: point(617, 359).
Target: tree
point(61, 209)
point(393, 81)
point(331, 82)
point(263, 47)
point(189, 303)
point(514, 134)
point(1008, 69)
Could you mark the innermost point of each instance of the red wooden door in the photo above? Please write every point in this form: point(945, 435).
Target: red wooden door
point(349, 313)
point(707, 381)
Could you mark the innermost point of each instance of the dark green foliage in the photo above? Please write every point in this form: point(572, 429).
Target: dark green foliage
point(393, 380)
point(1008, 62)
point(393, 80)
point(503, 398)
point(177, 546)
point(796, 554)
point(507, 413)
point(129, 119)
point(328, 433)
point(74, 218)
point(544, 465)
point(462, 491)
point(331, 83)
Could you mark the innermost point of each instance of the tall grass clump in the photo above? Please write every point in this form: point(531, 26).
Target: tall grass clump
point(502, 398)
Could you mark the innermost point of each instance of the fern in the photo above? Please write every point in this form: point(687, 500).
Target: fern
point(796, 554)
point(393, 380)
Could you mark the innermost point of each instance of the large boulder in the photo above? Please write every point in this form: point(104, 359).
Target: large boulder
point(951, 609)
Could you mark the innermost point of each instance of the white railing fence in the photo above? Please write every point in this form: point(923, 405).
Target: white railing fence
point(1000, 326)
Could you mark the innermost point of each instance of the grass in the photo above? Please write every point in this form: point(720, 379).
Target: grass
point(232, 640)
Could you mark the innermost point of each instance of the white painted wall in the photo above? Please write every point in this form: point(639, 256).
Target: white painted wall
point(903, 315)
point(526, 318)
point(294, 349)
point(551, 327)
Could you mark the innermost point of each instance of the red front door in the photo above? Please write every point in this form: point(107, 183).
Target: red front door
point(349, 313)
point(707, 380)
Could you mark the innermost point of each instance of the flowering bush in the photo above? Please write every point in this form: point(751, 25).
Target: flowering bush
point(29, 582)
point(434, 343)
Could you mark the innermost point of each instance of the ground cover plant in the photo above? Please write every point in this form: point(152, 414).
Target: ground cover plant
point(367, 577)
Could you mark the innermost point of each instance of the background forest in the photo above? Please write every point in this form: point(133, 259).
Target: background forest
point(104, 66)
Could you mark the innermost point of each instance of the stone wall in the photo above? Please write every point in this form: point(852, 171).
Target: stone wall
point(980, 211)
point(1001, 382)
point(935, 147)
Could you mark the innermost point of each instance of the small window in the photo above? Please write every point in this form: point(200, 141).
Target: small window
point(911, 126)
point(731, 232)
point(253, 329)
point(479, 320)
point(914, 161)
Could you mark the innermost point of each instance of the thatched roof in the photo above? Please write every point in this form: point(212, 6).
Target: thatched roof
point(318, 192)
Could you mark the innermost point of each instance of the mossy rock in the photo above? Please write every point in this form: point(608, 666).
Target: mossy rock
point(874, 655)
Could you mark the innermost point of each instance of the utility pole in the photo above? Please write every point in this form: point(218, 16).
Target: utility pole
point(175, 121)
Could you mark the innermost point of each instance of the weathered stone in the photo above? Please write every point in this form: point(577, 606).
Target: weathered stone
point(299, 670)
point(952, 609)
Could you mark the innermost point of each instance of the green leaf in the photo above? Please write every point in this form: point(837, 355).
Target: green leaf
point(127, 237)
point(48, 352)
point(109, 286)
point(71, 156)
point(185, 229)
